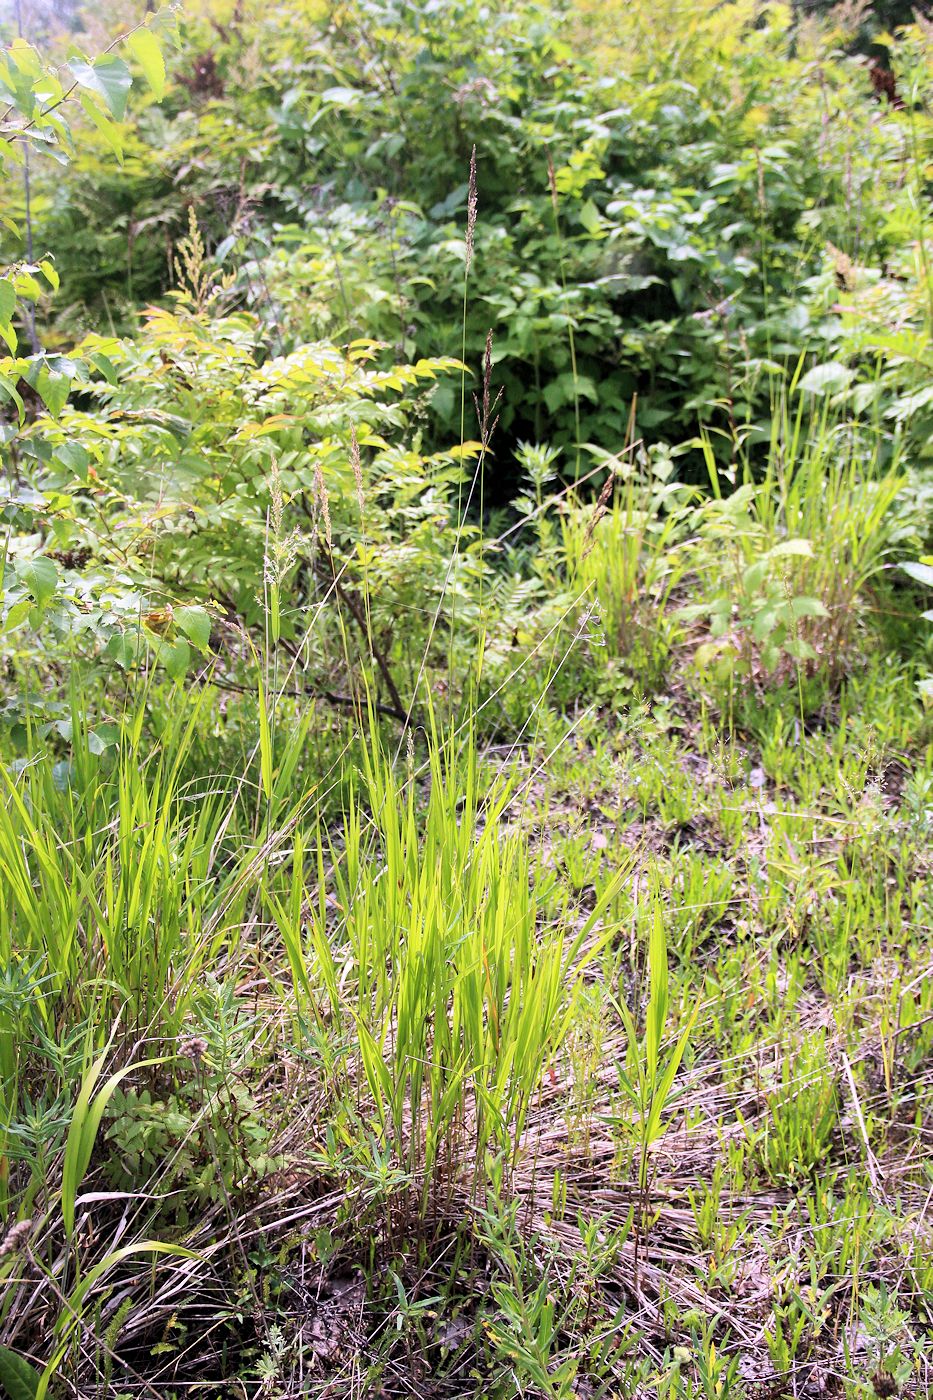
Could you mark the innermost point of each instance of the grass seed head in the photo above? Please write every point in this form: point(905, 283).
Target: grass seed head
point(320, 492)
point(471, 212)
point(357, 469)
point(15, 1238)
point(486, 411)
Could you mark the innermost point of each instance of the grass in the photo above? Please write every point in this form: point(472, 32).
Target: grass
point(571, 1040)
point(340, 1057)
point(623, 557)
point(597, 1065)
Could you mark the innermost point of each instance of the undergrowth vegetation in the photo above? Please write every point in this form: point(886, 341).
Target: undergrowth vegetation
point(465, 742)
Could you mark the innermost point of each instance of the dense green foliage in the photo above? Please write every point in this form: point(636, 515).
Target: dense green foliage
point(702, 178)
point(465, 892)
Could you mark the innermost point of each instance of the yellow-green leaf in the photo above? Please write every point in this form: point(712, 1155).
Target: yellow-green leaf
point(145, 49)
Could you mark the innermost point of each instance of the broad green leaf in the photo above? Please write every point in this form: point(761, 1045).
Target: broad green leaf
point(906, 406)
point(39, 576)
point(801, 607)
point(108, 130)
point(175, 657)
point(923, 573)
point(17, 614)
point(589, 218)
point(53, 388)
point(342, 97)
point(763, 624)
point(754, 576)
point(108, 77)
point(26, 58)
point(802, 547)
point(827, 379)
point(27, 286)
point(51, 276)
point(800, 650)
point(75, 457)
point(105, 365)
point(145, 49)
point(17, 1378)
point(9, 388)
point(7, 300)
point(196, 625)
point(103, 737)
point(125, 648)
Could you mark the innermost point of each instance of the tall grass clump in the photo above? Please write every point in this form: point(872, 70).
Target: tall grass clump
point(110, 876)
point(453, 990)
point(784, 562)
point(124, 884)
point(623, 558)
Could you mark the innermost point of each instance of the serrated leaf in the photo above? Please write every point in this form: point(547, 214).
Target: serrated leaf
point(27, 286)
point(52, 388)
point(108, 77)
point(145, 49)
point(175, 657)
point(125, 648)
point(196, 625)
point(39, 577)
point(104, 737)
point(75, 457)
